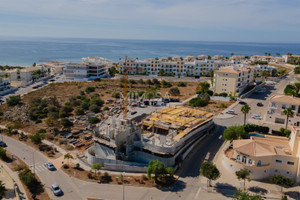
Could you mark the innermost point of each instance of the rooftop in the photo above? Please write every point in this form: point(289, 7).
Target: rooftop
point(263, 146)
point(285, 99)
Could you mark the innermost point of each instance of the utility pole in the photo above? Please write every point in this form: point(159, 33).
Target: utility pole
point(33, 164)
point(123, 187)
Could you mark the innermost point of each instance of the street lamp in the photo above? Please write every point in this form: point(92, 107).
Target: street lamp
point(33, 163)
point(123, 185)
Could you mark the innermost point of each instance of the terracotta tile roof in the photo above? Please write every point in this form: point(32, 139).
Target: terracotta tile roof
point(263, 146)
point(285, 99)
point(227, 70)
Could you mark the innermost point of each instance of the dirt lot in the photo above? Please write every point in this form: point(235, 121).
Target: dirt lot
point(108, 178)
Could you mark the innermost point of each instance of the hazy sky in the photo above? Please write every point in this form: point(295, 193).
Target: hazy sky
point(204, 20)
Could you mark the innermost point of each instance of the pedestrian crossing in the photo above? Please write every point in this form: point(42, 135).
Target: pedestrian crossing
point(39, 167)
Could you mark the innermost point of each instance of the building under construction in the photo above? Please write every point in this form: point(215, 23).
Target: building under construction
point(168, 135)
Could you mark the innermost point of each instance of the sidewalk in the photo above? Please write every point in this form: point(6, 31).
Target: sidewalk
point(223, 114)
point(15, 189)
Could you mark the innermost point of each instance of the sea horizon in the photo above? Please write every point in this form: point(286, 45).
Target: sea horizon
point(24, 51)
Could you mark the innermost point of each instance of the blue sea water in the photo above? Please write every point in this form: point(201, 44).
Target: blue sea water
point(26, 51)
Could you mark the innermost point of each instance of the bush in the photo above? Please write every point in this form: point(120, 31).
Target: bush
point(90, 176)
point(28, 178)
point(37, 138)
point(13, 100)
point(66, 166)
point(210, 92)
point(94, 108)
point(181, 84)
point(79, 111)
point(2, 153)
point(223, 94)
point(77, 166)
point(89, 89)
point(174, 91)
point(155, 81)
point(197, 102)
point(256, 128)
point(94, 120)
point(66, 123)
point(223, 105)
point(165, 84)
point(116, 95)
point(105, 108)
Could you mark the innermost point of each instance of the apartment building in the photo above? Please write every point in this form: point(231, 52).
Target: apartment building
point(288, 58)
point(27, 75)
point(265, 155)
point(84, 72)
point(260, 68)
point(188, 66)
point(4, 86)
point(277, 104)
point(233, 79)
point(256, 58)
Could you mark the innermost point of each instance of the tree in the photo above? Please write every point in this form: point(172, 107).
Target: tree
point(297, 70)
point(2, 190)
point(274, 73)
point(160, 171)
point(37, 138)
point(66, 123)
point(265, 74)
point(243, 174)
point(234, 132)
point(210, 171)
point(8, 129)
point(94, 120)
point(181, 84)
point(289, 113)
point(68, 156)
point(174, 91)
point(2, 153)
point(245, 110)
point(282, 181)
point(96, 167)
point(242, 195)
point(79, 111)
point(161, 72)
point(202, 87)
point(290, 90)
point(94, 108)
point(34, 64)
point(13, 100)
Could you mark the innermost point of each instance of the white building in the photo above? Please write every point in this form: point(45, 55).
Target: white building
point(4, 86)
point(175, 67)
point(89, 69)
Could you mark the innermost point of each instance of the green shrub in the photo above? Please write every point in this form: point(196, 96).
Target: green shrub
point(13, 100)
point(3, 153)
point(94, 120)
point(174, 91)
point(181, 84)
point(89, 89)
point(94, 108)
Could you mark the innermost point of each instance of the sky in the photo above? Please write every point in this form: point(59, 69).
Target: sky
point(200, 20)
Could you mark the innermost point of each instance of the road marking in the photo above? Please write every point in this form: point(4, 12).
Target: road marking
point(207, 156)
point(197, 193)
point(220, 137)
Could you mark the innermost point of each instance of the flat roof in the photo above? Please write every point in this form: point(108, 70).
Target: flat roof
point(285, 99)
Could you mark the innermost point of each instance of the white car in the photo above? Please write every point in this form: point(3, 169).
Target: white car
point(254, 116)
point(230, 112)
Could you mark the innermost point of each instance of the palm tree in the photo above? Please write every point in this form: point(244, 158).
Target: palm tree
point(297, 88)
point(289, 113)
point(68, 156)
point(245, 110)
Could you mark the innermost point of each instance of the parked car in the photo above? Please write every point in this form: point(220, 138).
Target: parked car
point(254, 116)
point(230, 112)
point(35, 87)
point(2, 144)
point(56, 190)
point(52, 80)
point(242, 102)
point(260, 104)
point(133, 113)
point(50, 166)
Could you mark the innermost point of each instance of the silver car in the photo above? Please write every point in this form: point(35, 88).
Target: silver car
point(56, 190)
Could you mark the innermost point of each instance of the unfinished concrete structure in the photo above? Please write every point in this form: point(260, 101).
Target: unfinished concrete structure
point(167, 135)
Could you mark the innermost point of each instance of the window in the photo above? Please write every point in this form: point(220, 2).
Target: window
point(283, 106)
point(244, 159)
point(273, 104)
point(278, 161)
point(290, 163)
point(250, 161)
point(276, 170)
point(238, 157)
point(288, 172)
point(293, 107)
point(259, 163)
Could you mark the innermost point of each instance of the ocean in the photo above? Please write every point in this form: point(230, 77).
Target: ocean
point(26, 51)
